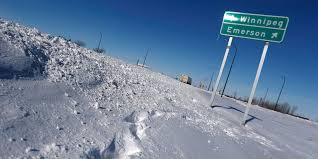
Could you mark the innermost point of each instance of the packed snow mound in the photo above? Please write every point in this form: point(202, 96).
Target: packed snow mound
point(61, 60)
point(55, 57)
point(103, 89)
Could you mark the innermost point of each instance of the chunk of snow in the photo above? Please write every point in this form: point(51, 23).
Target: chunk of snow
point(96, 105)
point(76, 112)
point(137, 116)
point(122, 147)
point(66, 95)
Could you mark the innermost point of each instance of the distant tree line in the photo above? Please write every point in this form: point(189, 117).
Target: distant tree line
point(99, 50)
point(83, 44)
point(285, 107)
point(80, 43)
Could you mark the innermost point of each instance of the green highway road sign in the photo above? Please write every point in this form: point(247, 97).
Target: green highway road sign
point(254, 26)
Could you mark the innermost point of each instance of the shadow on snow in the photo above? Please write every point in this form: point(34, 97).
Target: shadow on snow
point(251, 117)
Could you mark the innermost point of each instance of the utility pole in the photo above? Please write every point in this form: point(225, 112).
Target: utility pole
point(262, 100)
point(228, 75)
point(100, 40)
point(143, 65)
point(280, 92)
point(235, 93)
point(210, 81)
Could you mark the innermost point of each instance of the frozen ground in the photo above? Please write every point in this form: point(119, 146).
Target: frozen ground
point(59, 100)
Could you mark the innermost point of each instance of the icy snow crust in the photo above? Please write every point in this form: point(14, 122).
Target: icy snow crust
point(59, 100)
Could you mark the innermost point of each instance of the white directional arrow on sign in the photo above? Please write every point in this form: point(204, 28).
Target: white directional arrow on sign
point(230, 17)
point(274, 35)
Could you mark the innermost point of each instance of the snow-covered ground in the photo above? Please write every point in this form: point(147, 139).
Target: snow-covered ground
point(59, 100)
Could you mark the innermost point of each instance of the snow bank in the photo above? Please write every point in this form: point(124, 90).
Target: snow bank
point(89, 105)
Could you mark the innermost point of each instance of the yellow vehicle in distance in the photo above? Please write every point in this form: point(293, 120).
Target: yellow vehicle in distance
point(185, 79)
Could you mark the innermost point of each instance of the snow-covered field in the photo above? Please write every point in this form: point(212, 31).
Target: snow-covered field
point(59, 100)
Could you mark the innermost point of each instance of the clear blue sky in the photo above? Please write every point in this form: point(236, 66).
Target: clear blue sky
point(183, 38)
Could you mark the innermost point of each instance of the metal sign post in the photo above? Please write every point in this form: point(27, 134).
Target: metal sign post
point(267, 28)
point(259, 70)
point(227, 50)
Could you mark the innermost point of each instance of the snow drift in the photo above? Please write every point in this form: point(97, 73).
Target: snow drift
point(60, 100)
